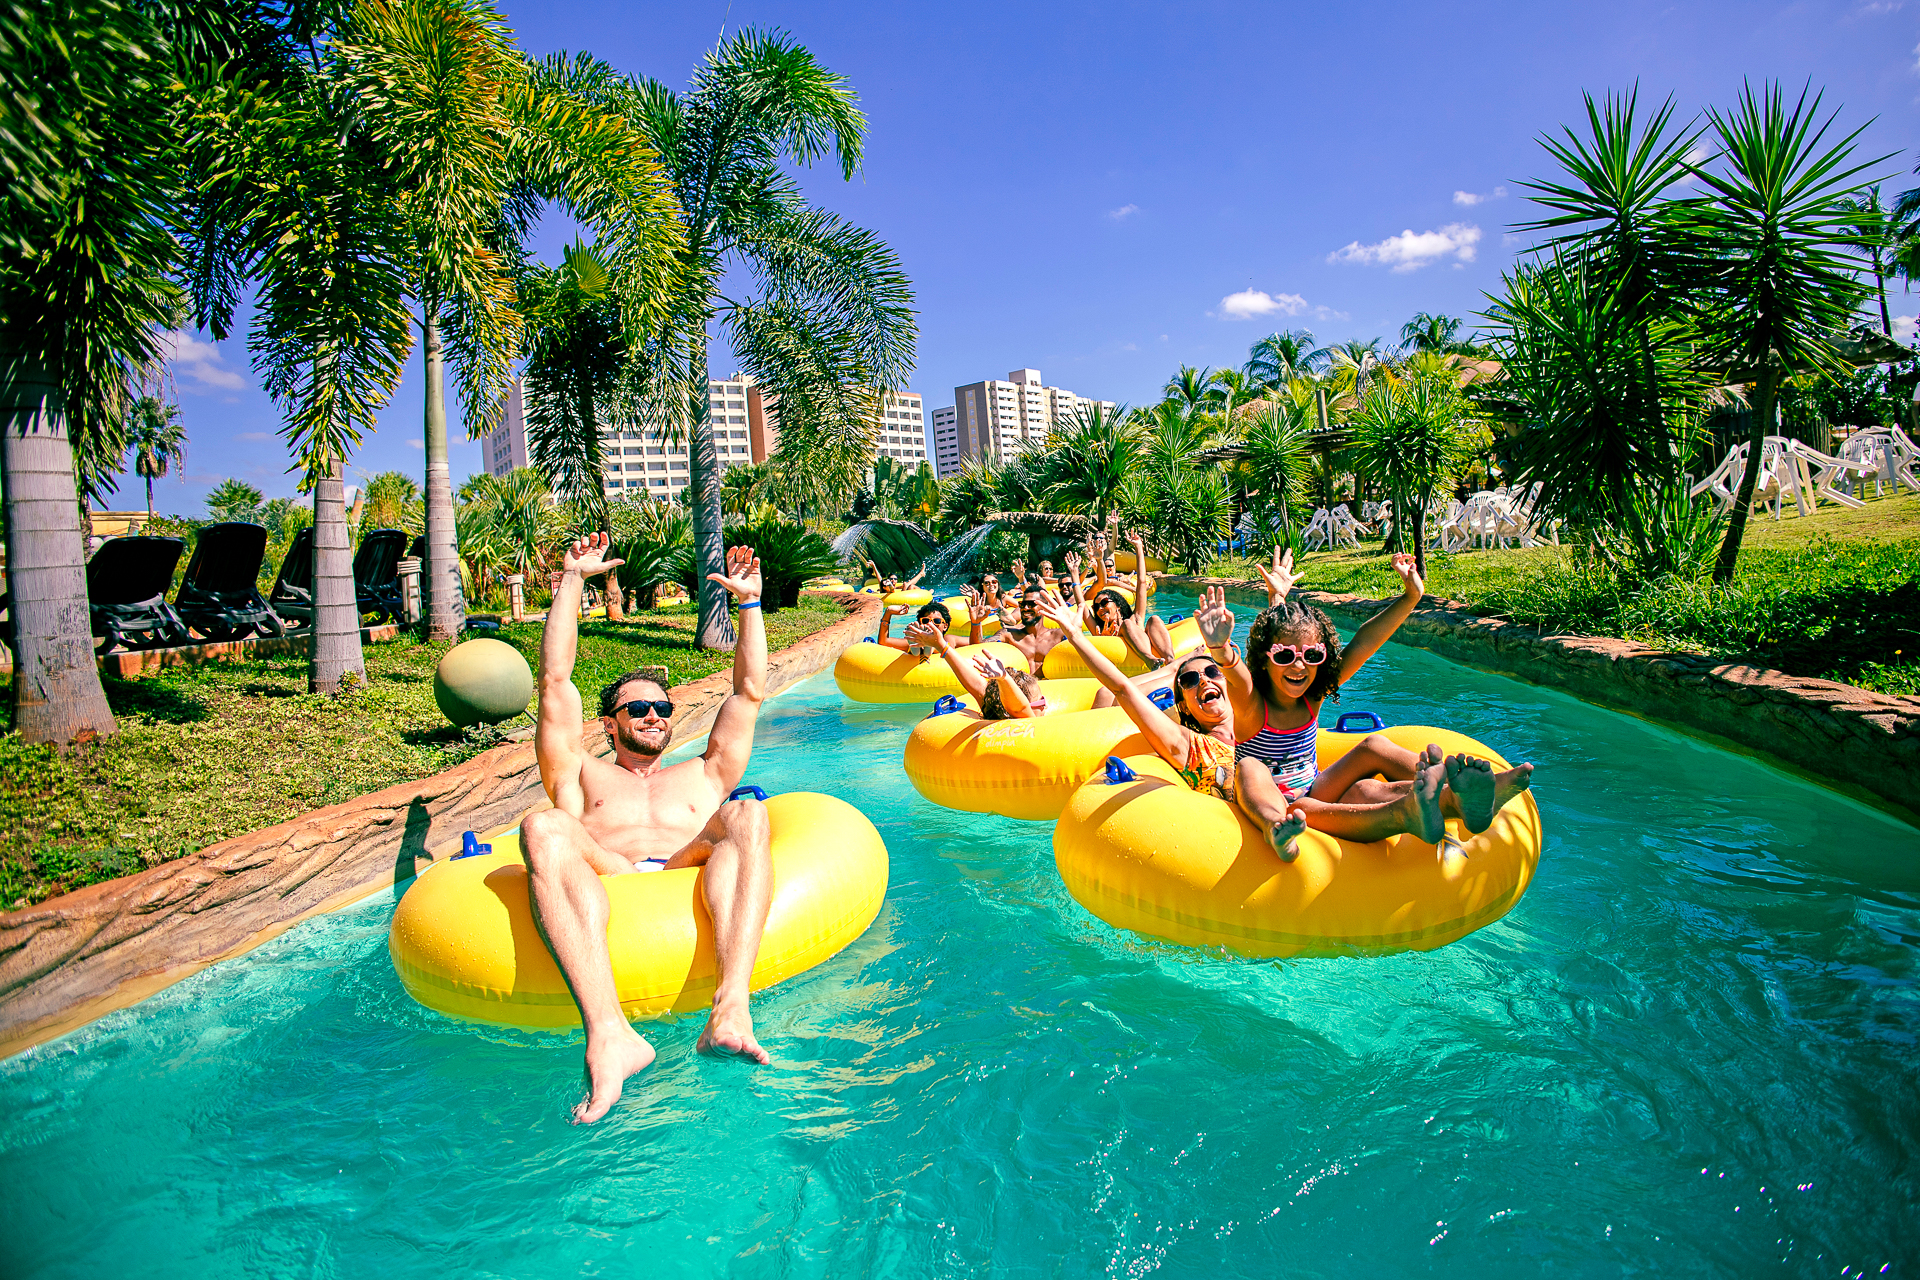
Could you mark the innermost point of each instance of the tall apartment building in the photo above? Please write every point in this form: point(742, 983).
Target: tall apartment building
point(943, 426)
point(1001, 420)
point(746, 428)
point(505, 447)
point(639, 457)
point(903, 429)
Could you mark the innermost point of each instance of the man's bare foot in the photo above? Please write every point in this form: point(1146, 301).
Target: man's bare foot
point(1472, 781)
point(1429, 777)
point(729, 1033)
point(611, 1058)
point(1286, 835)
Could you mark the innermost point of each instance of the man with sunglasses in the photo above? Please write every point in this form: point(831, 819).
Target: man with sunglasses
point(628, 813)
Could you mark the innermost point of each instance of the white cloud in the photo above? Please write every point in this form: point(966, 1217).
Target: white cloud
point(1468, 199)
point(1249, 303)
point(1874, 8)
point(256, 435)
point(199, 361)
point(1328, 313)
point(1124, 211)
point(1904, 328)
point(416, 443)
point(1129, 346)
point(1411, 250)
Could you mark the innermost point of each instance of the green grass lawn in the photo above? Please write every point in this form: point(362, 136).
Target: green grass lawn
point(1834, 594)
point(206, 753)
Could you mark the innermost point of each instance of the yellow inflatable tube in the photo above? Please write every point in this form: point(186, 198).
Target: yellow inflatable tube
point(1019, 768)
point(464, 943)
point(1123, 561)
point(869, 672)
point(913, 598)
point(1064, 664)
point(1162, 860)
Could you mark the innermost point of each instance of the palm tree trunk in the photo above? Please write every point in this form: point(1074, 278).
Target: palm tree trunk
point(149, 499)
point(57, 696)
point(446, 610)
point(1880, 287)
point(1765, 394)
point(703, 485)
point(336, 606)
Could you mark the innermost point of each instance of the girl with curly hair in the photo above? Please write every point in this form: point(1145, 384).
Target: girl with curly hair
point(1295, 663)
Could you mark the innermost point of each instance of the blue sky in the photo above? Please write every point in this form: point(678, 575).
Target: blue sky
point(1106, 192)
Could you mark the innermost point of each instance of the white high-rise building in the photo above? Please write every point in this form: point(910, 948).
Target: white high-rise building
point(1001, 420)
point(640, 458)
point(946, 440)
point(903, 429)
point(505, 447)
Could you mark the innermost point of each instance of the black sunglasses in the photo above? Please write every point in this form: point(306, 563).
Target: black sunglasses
point(1190, 678)
point(638, 708)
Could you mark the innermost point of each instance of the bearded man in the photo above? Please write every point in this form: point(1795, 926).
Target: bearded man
point(629, 814)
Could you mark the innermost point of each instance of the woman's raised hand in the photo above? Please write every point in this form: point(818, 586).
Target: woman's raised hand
point(1281, 578)
point(1403, 564)
point(1214, 618)
point(925, 633)
point(1063, 612)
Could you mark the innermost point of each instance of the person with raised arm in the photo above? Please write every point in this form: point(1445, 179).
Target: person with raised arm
point(628, 813)
point(1199, 744)
point(1294, 663)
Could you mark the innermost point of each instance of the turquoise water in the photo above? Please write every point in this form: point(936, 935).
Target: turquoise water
point(1690, 1050)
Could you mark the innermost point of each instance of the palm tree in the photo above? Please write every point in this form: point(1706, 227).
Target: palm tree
point(1280, 358)
point(1873, 235)
point(157, 439)
point(1411, 436)
point(1190, 388)
point(235, 500)
point(833, 321)
point(1352, 367)
point(391, 496)
point(1777, 287)
point(472, 137)
point(1087, 461)
point(85, 293)
point(1228, 388)
point(1436, 333)
point(743, 488)
point(1277, 453)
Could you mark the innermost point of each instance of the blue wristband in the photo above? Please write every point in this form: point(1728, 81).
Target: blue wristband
point(749, 604)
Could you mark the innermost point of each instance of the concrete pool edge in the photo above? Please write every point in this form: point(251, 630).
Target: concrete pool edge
point(71, 959)
point(1863, 744)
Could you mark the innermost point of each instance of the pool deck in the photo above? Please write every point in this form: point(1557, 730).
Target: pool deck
point(70, 959)
point(1861, 743)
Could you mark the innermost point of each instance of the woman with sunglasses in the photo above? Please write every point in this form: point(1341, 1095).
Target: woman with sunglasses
point(1295, 662)
point(1200, 744)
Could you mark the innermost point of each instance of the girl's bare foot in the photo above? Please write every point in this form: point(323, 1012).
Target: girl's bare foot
point(611, 1058)
point(1286, 835)
point(1428, 779)
point(1472, 781)
point(1510, 784)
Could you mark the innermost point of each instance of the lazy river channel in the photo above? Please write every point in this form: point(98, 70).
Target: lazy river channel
point(1691, 1050)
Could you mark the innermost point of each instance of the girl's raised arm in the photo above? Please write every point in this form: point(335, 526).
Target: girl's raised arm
point(1378, 629)
point(971, 680)
point(1168, 737)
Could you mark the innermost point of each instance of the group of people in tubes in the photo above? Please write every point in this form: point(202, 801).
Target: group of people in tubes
point(1244, 724)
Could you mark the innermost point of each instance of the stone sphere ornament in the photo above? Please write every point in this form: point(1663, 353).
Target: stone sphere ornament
point(482, 682)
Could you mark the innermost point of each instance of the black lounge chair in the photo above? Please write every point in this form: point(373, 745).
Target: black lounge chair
point(376, 577)
point(219, 597)
point(376, 574)
point(292, 594)
point(127, 584)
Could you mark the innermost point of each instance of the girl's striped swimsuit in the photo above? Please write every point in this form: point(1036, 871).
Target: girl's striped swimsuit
point(1292, 754)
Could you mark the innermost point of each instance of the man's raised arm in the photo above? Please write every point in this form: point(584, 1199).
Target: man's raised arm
point(730, 742)
point(556, 734)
